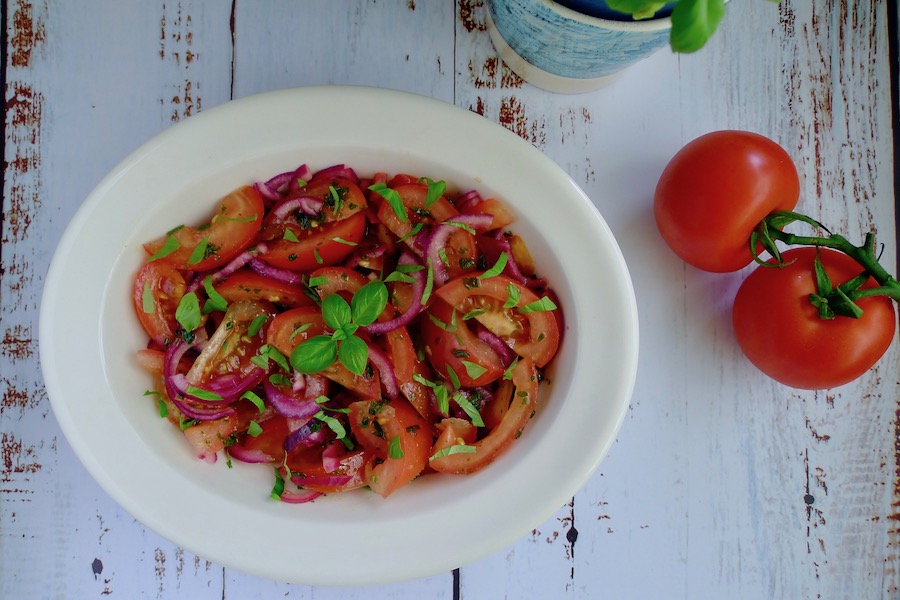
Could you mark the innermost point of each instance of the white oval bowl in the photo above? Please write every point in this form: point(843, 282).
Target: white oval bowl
point(89, 334)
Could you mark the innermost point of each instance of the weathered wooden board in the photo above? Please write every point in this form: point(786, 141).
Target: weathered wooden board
point(721, 483)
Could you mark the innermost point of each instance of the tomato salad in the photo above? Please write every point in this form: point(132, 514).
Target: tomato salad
point(347, 331)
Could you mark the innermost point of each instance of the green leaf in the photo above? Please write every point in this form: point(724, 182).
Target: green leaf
point(463, 401)
point(369, 302)
point(290, 236)
point(474, 313)
point(188, 312)
point(314, 355)
point(256, 324)
point(171, 245)
point(513, 295)
point(454, 378)
point(199, 251)
point(435, 190)
point(335, 311)
point(497, 268)
point(462, 226)
point(440, 392)
point(473, 370)
point(507, 374)
point(543, 305)
point(332, 423)
point(147, 300)
point(203, 394)
point(694, 22)
point(253, 429)
point(255, 399)
point(395, 449)
point(354, 354)
point(161, 404)
point(450, 450)
point(214, 300)
point(639, 9)
point(398, 276)
point(278, 488)
point(429, 284)
point(416, 229)
point(392, 198)
point(341, 240)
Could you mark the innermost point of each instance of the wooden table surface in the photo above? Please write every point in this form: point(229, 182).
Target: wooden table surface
point(721, 484)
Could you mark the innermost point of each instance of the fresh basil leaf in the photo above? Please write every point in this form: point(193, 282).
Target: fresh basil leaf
point(256, 324)
point(392, 198)
point(335, 311)
point(473, 370)
point(497, 268)
point(435, 190)
point(255, 399)
point(463, 401)
point(454, 378)
point(203, 394)
point(354, 354)
point(278, 488)
point(395, 449)
point(512, 299)
point(171, 245)
point(369, 302)
point(694, 22)
point(429, 284)
point(290, 236)
point(455, 449)
point(188, 312)
point(543, 305)
point(147, 299)
point(199, 251)
point(314, 355)
point(253, 429)
point(214, 300)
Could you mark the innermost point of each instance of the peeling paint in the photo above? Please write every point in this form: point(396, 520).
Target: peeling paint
point(17, 459)
point(28, 32)
point(513, 116)
point(471, 15)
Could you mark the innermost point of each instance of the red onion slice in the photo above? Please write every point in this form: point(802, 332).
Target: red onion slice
point(436, 243)
point(307, 204)
point(287, 406)
point(468, 200)
point(477, 221)
point(331, 458)
point(497, 345)
point(201, 414)
point(385, 370)
point(332, 481)
point(283, 275)
point(299, 497)
point(340, 170)
point(249, 456)
point(418, 290)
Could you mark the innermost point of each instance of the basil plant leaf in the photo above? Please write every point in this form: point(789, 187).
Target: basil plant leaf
point(335, 311)
point(354, 353)
point(693, 23)
point(369, 302)
point(314, 355)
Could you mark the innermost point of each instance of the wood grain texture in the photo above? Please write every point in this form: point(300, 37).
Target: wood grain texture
point(721, 482)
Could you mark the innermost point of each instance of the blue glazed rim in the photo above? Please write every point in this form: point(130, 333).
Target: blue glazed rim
point(642, 26)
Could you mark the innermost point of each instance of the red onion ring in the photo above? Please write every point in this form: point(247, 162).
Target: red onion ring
point(340, 170)
point(385, 370)
point(309, 205)
point(418, 290)
point(496, 343)
point(331, 458)
point(287, 406)
point(236, 263)
point(299, 498)
point(475, 221)
point(249, 456)
point(436, 243)
point(468, 200)
point(283, 275)
point(332, 481)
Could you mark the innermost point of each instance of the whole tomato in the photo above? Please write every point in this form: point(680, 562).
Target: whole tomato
point(781, 333)
point(714, 192)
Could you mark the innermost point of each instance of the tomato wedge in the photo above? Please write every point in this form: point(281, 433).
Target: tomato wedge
point(383, 426)
point(158, 289)
point(308, 470)
point(245, 284)
point(520, 410)
point(534, 334)
point(231, 231)
point(327, 244)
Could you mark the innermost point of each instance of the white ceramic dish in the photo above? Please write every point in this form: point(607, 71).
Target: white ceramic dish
point(88, 336)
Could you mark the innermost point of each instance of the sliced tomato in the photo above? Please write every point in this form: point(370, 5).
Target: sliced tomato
point(450, 344)
point(333, 280)
point(245, 284)
point(487, 449)
point(326, 244)
point(270, 440)
point(414, 197)
point(502, 215)
point(402, 354)
point(158, 289)
point(401, 427)
point(308, 470)
point(231, 347)
point(209, 437)
point(534, 334)
point(231, 230)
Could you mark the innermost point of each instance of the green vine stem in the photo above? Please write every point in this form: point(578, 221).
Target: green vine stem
point(841, 298)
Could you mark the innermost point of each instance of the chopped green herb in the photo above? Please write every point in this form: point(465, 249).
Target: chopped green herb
point(340, 240)
point(474, 313)
point(188, 312)
point(317, 281)
point(255, 399)
point(440, 392)
point(507, 374)
point(497, 268)
point(185, 423)
point(318, 256)
point(462, 226)
point(435, 190)
point(410, 268)
point(416, 229)
point(278, 488)
point(290, 236)
point(455, 449)
point(147, 299)
point(542, 305)
point(279, 379)
point(473, 370)
point(253, 429)
point(161, 404)
point(398, 276)
point(199, 251)
point(392, 198)
point(299, 329)
point(395, 449)
point(203, 394)
point(429, 283)
point(214, 300)
point(454, 378)
point(464, 403)
point(513, 295)
point(442, 254)
point(256, 324)
point(171, 245)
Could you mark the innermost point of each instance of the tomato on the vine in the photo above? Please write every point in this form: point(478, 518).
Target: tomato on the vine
point(780, 331)
point(715, 191)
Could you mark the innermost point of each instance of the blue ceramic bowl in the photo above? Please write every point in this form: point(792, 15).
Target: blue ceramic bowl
point(562, 50)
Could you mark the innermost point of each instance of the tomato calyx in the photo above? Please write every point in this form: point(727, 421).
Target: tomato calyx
point(830, 300)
